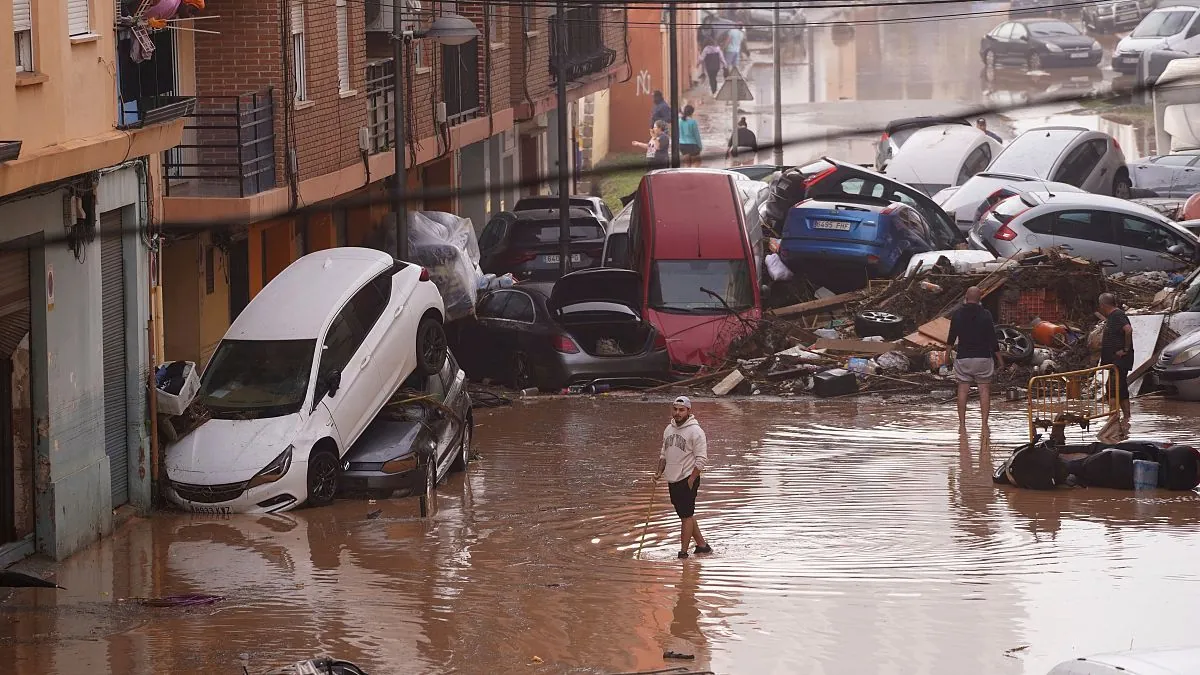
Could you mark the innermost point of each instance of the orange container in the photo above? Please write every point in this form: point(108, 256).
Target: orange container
point(1044, 332)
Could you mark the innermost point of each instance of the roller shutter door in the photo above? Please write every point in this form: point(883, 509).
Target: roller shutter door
point(14, 300)
point(116, 413)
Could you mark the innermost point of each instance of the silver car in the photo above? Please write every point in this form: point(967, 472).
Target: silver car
point(1090, 160)
point(1127, 237)
point(967, 202)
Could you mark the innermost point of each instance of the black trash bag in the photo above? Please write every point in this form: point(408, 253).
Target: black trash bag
point(1111, 468)
point(173, 377)
point(1033, 466)
point(1178, 465)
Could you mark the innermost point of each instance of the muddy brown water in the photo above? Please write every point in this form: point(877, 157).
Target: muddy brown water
point(850, 537)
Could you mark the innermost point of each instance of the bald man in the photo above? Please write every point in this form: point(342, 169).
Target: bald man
point(976, 355)
point(1117, 350)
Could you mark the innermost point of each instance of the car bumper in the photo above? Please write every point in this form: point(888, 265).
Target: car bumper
point(190, 493)
point(1065, 60)
point(377, 483)
point(570, 369)
point(1176, 375)
point(1122, 63)
point(858, 255)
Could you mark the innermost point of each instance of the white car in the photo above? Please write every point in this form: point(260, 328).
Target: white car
point(1090, 160)
point(1180, 661)
point(1173, 27)
point(302, 371)
point(938, 157)
point(967, 202)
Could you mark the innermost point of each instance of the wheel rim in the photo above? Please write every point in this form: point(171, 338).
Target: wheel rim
point(433, 344)
point(466, 444)
point(324, 480)
point(880, 317)
point(1013, 341)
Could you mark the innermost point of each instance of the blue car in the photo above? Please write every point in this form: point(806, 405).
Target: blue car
point(852, 234)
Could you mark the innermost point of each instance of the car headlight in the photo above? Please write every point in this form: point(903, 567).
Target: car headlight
point(1053, 48)
point(273, 471)
point(400, 464)
point(1095, 46)
point(1186, 355)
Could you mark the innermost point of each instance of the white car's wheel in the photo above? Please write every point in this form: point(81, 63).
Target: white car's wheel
point(322, 478)
point(431, 346)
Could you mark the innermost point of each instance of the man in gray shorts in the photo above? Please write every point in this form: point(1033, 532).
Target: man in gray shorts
point(976, 355)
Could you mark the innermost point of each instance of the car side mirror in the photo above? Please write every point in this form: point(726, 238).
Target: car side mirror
point(1177, 249)
point(333, 382)
point(1024, 38)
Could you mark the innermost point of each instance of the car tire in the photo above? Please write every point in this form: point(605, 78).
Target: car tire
point(1015, 346)
point(1034, 62)
point(989, 59)
point(873, 322)
point(431, 347)
point(464, 455)
point(323, 473)
point(1122, 186)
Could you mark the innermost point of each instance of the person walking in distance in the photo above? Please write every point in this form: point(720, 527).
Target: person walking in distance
point(683, 460)
point(690, 145)
point(1116, 349)
point(713, 60)
point(733, 47)
point(981, 124)
point(743, 145)
point(976, 356)
point(661, 111)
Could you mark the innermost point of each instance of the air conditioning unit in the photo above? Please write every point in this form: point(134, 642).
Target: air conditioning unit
point(379, 14)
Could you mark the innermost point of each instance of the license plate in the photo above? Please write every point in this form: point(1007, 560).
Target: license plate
point(554, 259)
point(214, 510)
point(1079, 55)
point(1129, 59)
point(831, 225)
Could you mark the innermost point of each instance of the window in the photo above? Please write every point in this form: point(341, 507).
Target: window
point(1019, 32)
point(79, 20)
point(1003, 32)
point(23, 35)
point(1148, 236)
point(1085, 225)
point(369, 302)
point(495, 35)
point(493, 234)
point(1175, 160)
point(526, 18)
point(341, 342)
point(533, 232)
point(1040, 225)
point(519, 308)
point(977, 161)
point(343, 46)
point(1080, 163)
point(299, 67)
point(492, 305)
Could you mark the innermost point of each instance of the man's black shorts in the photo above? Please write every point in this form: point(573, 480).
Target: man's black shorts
point(683, 498)
point(1121, 384)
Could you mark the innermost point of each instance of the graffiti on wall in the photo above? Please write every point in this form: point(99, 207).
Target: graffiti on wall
point(643, 83)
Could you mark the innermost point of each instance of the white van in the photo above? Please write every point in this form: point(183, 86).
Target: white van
point(1174, 27)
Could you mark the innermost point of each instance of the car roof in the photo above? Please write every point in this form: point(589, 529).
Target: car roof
point(552, 214)
point(301, 300)
point(938, 150)
point(924, 120)
point(697, 213)
point(700, 169)
point(1092, 200)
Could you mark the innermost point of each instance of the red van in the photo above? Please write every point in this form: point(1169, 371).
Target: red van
point(688, 239)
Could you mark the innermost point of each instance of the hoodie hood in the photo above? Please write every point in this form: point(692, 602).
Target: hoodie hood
point(691, 421)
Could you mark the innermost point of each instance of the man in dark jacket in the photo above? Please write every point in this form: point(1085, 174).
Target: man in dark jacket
point(976, 356)
point(661, 111)
point(1117, 350)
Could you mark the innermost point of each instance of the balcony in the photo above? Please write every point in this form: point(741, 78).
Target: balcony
point(586, 53)
point(147, 93)
point(380, 89)
point(228, 148)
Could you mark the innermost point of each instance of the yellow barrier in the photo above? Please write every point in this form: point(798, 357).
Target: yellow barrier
point(1077, 397)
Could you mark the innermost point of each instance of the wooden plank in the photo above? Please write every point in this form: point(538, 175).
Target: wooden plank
point(816, 305)
point(1146, 328)
point(853, 346)
point(938, 329)
point(729, 383)
point(688, 382)
point(923, 340)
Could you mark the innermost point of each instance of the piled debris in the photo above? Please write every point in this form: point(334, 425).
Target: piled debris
point(891, 336)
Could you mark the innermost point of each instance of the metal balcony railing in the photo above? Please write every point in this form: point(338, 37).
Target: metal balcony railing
point(228, 148)
point(586, 53)
point(381, 89)
point(460, 82)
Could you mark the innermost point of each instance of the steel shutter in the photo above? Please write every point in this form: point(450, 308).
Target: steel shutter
point(116, 414)
point(14, 300)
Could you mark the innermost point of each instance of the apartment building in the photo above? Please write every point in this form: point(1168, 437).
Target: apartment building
point(291, 143)
point(84, 118)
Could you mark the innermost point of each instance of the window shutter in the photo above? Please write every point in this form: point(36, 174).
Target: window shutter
point(78, 18)
point(296, 9)
point(343, 46)
point(22, 19)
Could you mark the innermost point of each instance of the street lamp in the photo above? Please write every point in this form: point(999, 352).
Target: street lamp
point(450, 30)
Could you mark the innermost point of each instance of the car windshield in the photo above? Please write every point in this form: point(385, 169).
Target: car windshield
point(527, 233)
point(682, 285)
point(250, 379)
point(1034, 152)
point(1051, 28)
point(1162, 24)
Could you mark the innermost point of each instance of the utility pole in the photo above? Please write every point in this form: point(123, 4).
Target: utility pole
point(812, 65)
point(674, 65)
point(400, 144)
point(778, 89)
point(564, 188)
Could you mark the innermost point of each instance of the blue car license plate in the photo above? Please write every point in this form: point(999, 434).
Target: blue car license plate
point(831, 225)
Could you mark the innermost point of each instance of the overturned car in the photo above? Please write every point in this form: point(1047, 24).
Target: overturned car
point(1043, 465)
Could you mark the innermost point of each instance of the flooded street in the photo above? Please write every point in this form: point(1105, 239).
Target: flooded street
point(850, 537)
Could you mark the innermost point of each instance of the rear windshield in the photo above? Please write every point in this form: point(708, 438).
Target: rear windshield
point(1051, 28)
point(680, 286)
point(1033, 152)
point(528, 233)
point(535, 203)
point(1163, 24)
point(1009, 209)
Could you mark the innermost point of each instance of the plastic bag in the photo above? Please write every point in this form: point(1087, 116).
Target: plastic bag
point(176, 385)
point(778, 269)
point(446, 245)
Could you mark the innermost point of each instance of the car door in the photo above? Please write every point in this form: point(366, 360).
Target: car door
point(347, 351)
point(1077, 165)
point(1160, 174)
point(1100, 170)
point(1087, 234)
point(1145, 245)
point(1019, 46)
point(480, 336)
point(998, 41)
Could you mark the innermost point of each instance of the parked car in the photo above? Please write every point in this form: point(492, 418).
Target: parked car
point(1116, 15)
point(1173, 175)
point(302, 371)
point(1091, 160)
point(1038, 43)
point(690, 243)
point(526, 243)
point(584, 327)
point(1171, 661)
point(833, 242)
point(935, 158)
point(898, 131)
point(616, 242)
point(831, 180)
point(1127, 236)
point(968, 202)
point(594, 205)
point(1020, 9)
point(410, 448)
point(1174, 27)
point(1179, 366)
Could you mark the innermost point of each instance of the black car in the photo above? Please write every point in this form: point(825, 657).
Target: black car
point(416, 440)
point(584, 328)
point(833, 180)
point(526, 243)
point(1037, 44)
point(595, 205)
point(1173, 175)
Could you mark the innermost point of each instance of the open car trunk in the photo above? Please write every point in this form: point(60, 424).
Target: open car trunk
point(606, 333)
point(598, 309)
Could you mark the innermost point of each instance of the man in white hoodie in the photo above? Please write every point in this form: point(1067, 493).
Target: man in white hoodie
point(683, 459)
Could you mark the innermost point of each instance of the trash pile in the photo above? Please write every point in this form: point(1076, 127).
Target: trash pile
point(891, 337)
